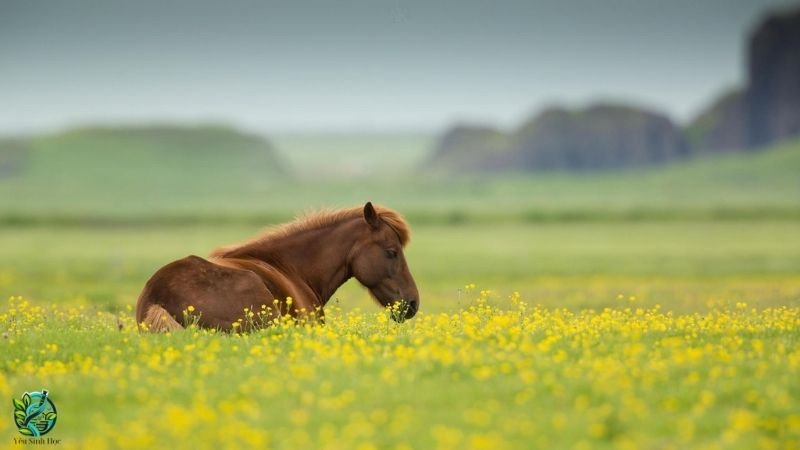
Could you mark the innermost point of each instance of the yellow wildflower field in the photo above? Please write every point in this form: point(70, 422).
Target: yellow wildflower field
point(497, 373)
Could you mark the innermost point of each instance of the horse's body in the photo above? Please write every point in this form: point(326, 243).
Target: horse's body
point(294, 270)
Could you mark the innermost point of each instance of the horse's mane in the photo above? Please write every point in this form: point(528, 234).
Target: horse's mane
point(321, 219)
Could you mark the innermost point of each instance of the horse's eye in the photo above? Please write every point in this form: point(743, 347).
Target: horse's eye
point(391, 254)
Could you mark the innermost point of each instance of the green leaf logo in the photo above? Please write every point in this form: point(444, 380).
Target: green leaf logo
point(19, 418)
point(34, 413)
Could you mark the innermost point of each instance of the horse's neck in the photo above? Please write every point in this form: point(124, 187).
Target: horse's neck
point(317, 258)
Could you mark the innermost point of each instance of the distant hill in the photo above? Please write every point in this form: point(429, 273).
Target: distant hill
point(471, 148)
point(134, 167)
point(722, 126)
point(602, 136)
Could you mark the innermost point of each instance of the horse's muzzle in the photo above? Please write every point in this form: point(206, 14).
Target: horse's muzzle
point(406, 309)
point(412, 308)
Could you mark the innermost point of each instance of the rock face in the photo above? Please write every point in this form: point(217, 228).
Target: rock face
point(722, 127)
point(773, 92)
point(600, 137)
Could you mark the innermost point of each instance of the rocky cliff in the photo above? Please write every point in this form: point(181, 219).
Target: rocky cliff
point(773, 91)
point(603, 136)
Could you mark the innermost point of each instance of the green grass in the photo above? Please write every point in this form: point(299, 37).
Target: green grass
point(688, 259)
point(678, 264)
point(69, 180)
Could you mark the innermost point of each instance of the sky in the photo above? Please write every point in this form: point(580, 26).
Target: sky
point(372, 65)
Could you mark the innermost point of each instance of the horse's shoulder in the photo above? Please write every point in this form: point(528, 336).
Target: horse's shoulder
point(190, 260)
point(194, 260)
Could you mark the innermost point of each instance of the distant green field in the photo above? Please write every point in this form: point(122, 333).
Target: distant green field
point(68, 182)
point(681, 265)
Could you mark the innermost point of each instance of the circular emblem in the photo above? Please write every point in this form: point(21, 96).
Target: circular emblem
point(34, 413)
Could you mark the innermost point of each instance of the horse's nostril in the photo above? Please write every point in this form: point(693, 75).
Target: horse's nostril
point(412, 306)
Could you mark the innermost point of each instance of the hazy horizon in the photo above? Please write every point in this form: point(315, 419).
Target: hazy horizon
point(360, 66)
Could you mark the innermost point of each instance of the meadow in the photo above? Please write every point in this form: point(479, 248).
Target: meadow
point(552, 335)
point(650, 309)
point(495, 373)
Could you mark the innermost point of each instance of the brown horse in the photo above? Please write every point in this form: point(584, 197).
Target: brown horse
point(293, 269)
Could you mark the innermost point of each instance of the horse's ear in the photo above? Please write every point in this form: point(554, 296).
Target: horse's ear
point(371, 216)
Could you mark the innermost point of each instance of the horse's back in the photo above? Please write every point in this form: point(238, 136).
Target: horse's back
point(221, 293)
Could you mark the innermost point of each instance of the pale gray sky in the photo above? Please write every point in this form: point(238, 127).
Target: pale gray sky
point(345, 65)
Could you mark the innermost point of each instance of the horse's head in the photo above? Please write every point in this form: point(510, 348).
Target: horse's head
point(377, 261)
